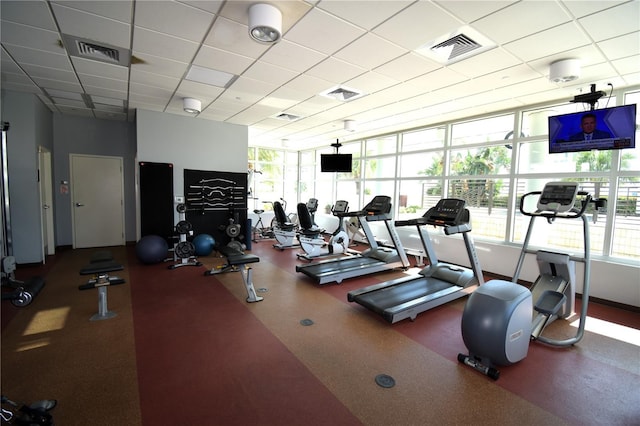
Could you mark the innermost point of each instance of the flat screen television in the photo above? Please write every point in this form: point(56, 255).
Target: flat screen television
point(610, 128)
point(335, 163)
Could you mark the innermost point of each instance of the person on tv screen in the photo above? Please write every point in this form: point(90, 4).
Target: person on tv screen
point(589, 130)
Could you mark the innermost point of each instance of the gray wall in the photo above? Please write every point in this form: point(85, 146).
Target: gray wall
point(30, 126)
point(90, 136)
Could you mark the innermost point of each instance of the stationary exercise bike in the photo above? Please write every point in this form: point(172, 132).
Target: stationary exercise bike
point(310, 236)
point(285, 227)
point(501, 317)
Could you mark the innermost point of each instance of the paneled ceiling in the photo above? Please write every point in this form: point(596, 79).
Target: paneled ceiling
point(381, 50)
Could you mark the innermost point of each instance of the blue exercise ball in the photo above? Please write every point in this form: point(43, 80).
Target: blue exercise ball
point(152, 249)
point(204, 244)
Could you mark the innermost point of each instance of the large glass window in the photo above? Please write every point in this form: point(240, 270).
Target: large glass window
point(489, 162)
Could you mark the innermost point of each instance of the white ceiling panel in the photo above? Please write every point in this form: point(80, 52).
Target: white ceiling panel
point(367, 45)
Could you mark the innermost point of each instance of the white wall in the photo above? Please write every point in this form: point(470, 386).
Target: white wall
point(190, 143)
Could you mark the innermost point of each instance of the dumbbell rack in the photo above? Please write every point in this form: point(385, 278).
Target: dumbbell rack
point(184, 249)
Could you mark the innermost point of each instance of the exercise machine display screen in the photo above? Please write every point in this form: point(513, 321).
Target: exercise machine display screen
point(448, 211)
point(558, 196)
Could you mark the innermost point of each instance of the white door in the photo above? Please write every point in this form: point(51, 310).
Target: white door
point(46, 202)
point(97, 196)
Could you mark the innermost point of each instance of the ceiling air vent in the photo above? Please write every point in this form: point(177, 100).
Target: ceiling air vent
point(456, 46)
point(89, 49)
point(287, 117)
point(451, 48)
point(342, 93)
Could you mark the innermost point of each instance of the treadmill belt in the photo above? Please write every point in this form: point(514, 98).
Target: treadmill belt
point(340, 266)
point(388, 297)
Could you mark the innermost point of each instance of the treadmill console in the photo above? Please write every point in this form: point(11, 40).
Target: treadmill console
point(558, 197)
point(378, 209)
point(448, 211)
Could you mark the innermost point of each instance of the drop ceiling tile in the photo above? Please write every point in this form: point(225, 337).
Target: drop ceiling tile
point(99, 69)
point(472, 10)
point(371, 82)
point(212, 6)
point(292, 56)
point(485, 63)
point(248, 89)
point(105, 83)
point(33, 38)
point(626, 17)
point(119, 10)
point(308, 85)
point(204, 92)
point(150, 79)
point(269, 73)
point(159, 65)
point(221, 60)
point(88, 25)
point(359, 52)
point(323, 32)
point(437, 79)
point(520, 20)
point(46, 83)
point(35, 71)
point(627, 65)
point(40, 58)
point(109, 93)
point(234, 37)
point(367, 17)
point(620, 47)
point(335, 70)
point(163, 46)
point(407, 67)
point(150, 91)
point(173, 18)
point(545, 42)
point(32, 13)
point(409, 28)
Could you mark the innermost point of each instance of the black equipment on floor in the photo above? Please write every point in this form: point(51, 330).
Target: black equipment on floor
point(184, 249)
point(372, 260)
point(436, 284)
point(237, 261)
point(34, 414)
point(20, 293)
point(99, 267)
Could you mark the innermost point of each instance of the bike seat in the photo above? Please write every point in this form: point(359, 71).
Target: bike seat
point(258, 211)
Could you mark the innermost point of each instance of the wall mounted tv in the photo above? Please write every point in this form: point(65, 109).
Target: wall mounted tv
point(610, 128)
point(335, 163)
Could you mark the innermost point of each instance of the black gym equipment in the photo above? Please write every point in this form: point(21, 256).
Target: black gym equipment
point(34, 414)
point(372, 260)
point(237, 262)
point(101, 264)
point(436, 284)
point(20, 293)
point(184, 249)
point(502, 317)
point(284, 230)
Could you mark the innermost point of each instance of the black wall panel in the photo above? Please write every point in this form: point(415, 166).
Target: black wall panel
point(156, 199)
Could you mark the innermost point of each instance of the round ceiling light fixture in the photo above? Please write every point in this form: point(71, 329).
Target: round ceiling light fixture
point(564, 70)
point(191, 105)
point(265, 23)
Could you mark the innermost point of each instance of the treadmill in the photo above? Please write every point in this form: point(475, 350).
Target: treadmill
point(374, 259)
point(437, 283)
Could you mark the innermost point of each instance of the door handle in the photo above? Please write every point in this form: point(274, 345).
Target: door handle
point(79, 204)
point(45, 206)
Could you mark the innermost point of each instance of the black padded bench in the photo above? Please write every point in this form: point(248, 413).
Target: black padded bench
point(237, 262)
point(101, 264)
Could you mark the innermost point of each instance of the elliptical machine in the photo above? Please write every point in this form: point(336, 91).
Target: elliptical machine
point(310, 236)
point(501, 317)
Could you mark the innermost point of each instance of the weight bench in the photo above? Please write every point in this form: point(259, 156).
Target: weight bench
point(100, 265)
point(237, 262)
